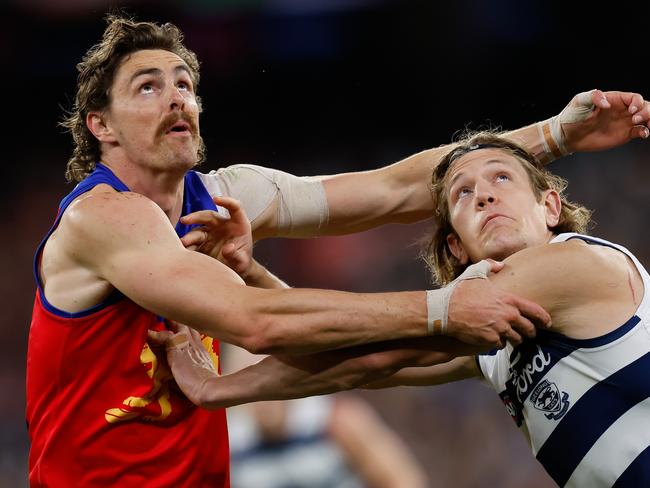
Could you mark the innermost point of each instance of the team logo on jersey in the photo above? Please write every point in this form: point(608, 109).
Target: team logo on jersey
point(548, 398)
point(158, 402)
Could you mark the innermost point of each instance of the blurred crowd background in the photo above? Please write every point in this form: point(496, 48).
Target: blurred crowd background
point(325, 86)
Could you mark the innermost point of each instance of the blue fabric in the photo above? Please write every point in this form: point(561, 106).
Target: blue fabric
point(195, 197)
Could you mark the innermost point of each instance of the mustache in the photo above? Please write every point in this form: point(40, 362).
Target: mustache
point(171, 119)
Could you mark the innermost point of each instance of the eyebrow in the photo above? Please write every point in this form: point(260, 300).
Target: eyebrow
point(489, 161)
point(158, 72)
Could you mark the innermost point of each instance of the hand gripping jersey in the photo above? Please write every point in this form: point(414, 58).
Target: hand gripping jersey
point(102, 410)
point(584, 405)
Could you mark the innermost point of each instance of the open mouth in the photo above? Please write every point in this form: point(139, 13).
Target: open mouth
point(179, 127)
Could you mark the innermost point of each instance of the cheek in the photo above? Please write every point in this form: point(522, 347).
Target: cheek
point(190, 104)
point(461, 219)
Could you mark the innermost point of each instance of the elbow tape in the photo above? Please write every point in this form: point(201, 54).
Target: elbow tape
point(438, 300)
point(302, 203)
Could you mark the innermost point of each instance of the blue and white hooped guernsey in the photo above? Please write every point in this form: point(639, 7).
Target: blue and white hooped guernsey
point(584, 405)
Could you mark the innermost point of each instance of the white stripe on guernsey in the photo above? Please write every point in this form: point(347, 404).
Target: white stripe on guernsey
point(603, 463)
point(589, 363)
point(495, 368)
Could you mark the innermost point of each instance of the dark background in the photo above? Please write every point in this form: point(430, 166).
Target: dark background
point(317, 87)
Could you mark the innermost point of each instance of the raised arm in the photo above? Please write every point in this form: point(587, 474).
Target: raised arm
point(400, 193)
point(280, 204)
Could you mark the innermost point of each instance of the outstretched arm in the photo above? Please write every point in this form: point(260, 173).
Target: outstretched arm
point(459, 368)
point(127, 241)
point(400, 193)
point(285, 377)
point(280, 204)
point(555, 276)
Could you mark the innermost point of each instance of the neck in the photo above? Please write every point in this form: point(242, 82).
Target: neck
point(164, 187)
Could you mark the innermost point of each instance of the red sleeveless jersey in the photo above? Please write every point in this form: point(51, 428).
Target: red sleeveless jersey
point(103, 410)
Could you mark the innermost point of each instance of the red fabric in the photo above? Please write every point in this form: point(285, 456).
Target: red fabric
point(103, 410)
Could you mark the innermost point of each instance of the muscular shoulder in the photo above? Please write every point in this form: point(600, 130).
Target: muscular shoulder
point(105, 208)
point(570, 263)
point(576, 282)
point(104, 219)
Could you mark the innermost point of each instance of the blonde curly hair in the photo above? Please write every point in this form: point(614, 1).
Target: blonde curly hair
point(441, 262)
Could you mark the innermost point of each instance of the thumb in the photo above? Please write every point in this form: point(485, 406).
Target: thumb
point(228, 249)
point(599, 99)
point(495, 266)
point(159, 337)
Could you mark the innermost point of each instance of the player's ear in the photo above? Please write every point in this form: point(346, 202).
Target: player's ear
point(552, 208)
point(457, 249)
point(96, 123)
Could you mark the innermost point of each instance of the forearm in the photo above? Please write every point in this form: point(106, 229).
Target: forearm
point(287, 377)
point(300, 321)
point(211, 298)
point(399, 193)
point(457, 369)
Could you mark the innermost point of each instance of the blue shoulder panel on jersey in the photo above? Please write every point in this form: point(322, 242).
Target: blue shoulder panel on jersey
point(195, 197)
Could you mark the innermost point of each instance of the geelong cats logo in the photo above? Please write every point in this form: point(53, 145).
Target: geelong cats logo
point(547, 397)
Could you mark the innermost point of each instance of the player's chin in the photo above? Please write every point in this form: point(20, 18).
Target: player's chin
point(502, 247)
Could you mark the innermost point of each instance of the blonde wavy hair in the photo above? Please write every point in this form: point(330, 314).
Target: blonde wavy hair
point(441, 262)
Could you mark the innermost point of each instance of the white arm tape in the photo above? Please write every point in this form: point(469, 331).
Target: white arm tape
point(438, 300)
point(302, 204)
point(550, 130)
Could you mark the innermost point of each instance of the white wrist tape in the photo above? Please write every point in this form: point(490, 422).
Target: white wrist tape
point(438, 300)
point(550, 130)
point(302, 204)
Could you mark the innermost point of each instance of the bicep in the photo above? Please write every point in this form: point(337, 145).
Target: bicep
point(173, 282)
point(130, 243)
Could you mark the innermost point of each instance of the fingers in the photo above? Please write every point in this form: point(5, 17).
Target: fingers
point(642, 116)
point(159, 337)
point(204, 217)
point(512, 337)
point(231, 204)
point(194, 239)
point(639, 132)
point(523, 327)
point(532, 311)
point(635, 103)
